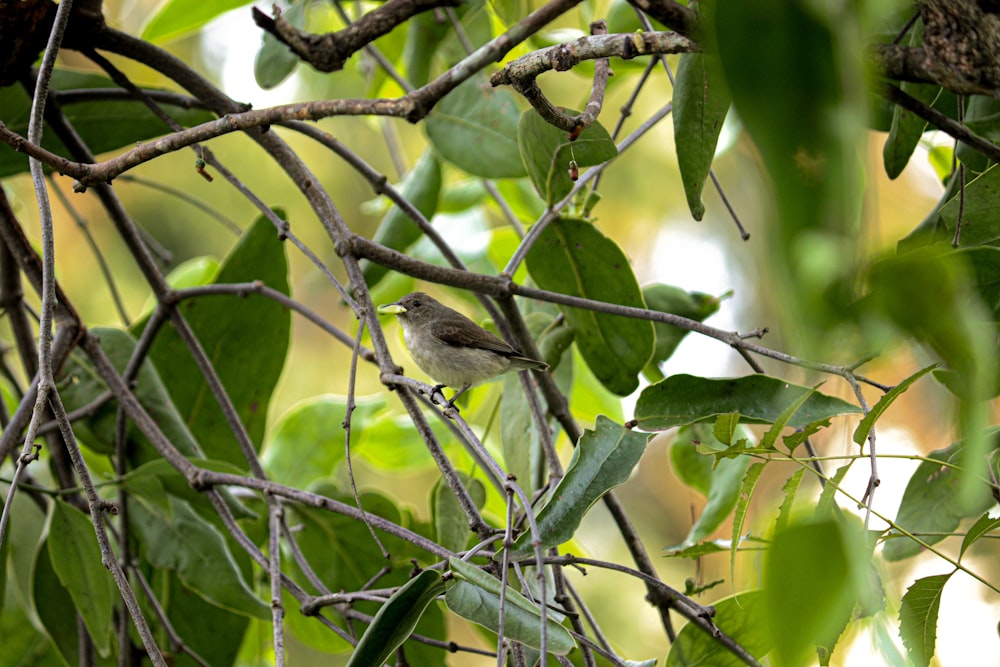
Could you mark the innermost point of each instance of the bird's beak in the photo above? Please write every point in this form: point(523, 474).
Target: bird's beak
point(390, 309)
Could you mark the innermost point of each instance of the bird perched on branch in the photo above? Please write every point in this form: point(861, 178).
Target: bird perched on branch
point(451, 348)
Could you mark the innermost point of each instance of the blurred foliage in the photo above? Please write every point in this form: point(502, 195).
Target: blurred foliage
point(481, 169)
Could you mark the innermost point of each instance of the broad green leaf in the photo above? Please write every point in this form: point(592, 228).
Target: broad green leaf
point(803, 608)
point(984, 265)
point(79, 385)
point(451, 523)
point(868, 422)
point(603, 459)
point(982, 116)
point(519, 437)
point(275, 61)
point(983, 525)
point(76, 559)
point(158, 475)
point(573, 257)
point(980, 205)
point(309, 439)
point(421, 187)
point(173, 537)
point(475, 128)
point(193, 272)
point(212, 632)
point(931, 502)
point(700, 104)
point(759, 399)
point(424, 33)
point(669, 299)
point(24, 644)
point(396, 619)
point(739, 617)
point(918, 616)
point(907, 127)
point(720, 483)
point(104, 125)
point(246, 339)
point(176, 18)
point(747, 487)
point(475, 596)
point(546, 152)
point(55, 608)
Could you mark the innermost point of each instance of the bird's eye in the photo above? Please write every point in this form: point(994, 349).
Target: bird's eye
point(416, 304)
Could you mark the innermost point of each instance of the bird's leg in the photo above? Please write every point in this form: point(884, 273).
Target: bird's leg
point(451, 403)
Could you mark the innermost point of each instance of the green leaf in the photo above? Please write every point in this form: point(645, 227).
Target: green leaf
point(759, 399)
point(918, 616)
point(767, 442)
point(868, 422)
point(519, 437)
point(275, 61)
point(720, 483)
point(669, 299)
point(981, 205)
point(725, 427)
point(907, 127)
point(104, 125)
point(982, 116)
point(424, 33)
point(739, 516)
point(246, 339)
point(697, 550)
point(309, 440)
point(212, 632)
point(396, 620)
point(173, 537)
point(603, 459)
point(546, 152)
point(790, 488)
point(451, 523)
point(475, 128)
point(700, 104)
point(79, 385)
point(931, 502)
point(55, 608)
point(739, 617)
point(982, 526)
point(176, 18)
point(802, 609)
point(825, 504)
point(422, 188)
point(475, 596)
point(76, 559)
point(573, 257)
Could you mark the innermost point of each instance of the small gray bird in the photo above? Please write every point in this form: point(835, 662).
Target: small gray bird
point(450, 347)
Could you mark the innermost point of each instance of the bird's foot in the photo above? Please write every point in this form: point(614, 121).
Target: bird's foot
point(436, 391)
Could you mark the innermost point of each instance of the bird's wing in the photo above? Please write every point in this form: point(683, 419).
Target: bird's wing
point(459, 334)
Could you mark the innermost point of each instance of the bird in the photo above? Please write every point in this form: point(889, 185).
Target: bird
point(451, 348)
